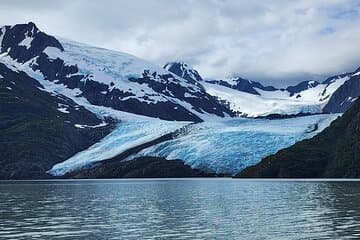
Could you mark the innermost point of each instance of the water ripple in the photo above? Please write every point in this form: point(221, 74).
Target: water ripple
point(179, 209)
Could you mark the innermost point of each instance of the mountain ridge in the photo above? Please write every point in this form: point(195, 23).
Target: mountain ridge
point(251, 99)
point(108, 78)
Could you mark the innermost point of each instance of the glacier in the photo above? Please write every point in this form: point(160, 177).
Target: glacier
point(128, 134)
point(223, 146)
point(228, 146)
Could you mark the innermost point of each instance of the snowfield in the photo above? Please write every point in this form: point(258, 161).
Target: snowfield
point(311, 100)
point(108, 67)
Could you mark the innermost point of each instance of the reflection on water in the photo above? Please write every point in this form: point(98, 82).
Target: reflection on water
point(179, 209)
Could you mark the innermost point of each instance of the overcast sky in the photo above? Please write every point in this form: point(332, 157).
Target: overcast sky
point(276, 42)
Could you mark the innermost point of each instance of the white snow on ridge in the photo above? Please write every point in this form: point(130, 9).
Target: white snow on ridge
point(60, 89)
point(334, 85)
point(112, 67)
point(115, 68)
point(89, 58)
point(356, 74)
point(108, 67)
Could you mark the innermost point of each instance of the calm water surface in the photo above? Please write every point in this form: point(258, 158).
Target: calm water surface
point(179, 209)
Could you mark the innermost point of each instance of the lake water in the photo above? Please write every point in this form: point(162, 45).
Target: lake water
point(179, 209)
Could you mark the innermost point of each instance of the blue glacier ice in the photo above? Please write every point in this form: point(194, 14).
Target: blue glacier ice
point(218, 145)
point(128, 134)
point(228, 146)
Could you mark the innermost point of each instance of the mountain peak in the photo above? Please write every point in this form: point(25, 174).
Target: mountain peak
point(25, 41)
point(31, 28)
point(183, 70)
point(138, 86)
point(302, 86)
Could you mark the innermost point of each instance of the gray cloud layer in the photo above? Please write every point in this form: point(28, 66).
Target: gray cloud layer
point(277, 41)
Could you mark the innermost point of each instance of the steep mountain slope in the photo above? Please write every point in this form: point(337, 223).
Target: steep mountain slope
point(335, 152)
point(345, 95)
point(37, 129)
point(106, 78)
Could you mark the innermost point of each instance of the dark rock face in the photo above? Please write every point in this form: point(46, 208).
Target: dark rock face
point(301, 87)
point(24, 42)
point(37, 129)
point(344, 96)
point(285, 116)
point(13, 36)
point(244, 85)
point(143, 167)
point(182, 70)
point(333, 153)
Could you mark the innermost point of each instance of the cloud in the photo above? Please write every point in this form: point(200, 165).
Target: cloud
point(279, 42)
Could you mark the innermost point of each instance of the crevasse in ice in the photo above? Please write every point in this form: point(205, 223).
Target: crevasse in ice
point(231, 145)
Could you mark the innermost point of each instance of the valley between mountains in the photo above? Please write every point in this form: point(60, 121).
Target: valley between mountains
point(70, 110)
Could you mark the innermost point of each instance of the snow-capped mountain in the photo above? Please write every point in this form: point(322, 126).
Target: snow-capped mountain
point(243, 85)
point(251, 99)
point(183, 70)
point(104, 106)
point(105, 78)
point(302, 86)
